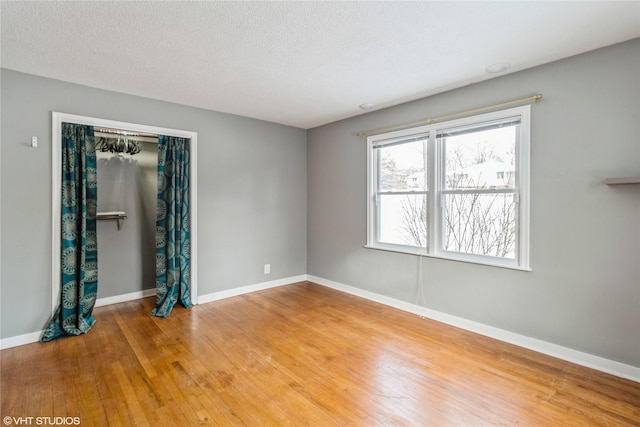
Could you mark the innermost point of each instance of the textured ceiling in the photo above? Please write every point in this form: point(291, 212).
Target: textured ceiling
point(302, 64)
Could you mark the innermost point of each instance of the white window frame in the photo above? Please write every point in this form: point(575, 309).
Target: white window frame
point(435, 191)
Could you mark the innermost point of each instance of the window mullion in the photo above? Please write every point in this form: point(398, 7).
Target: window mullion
point(376, 197)
point(482, 191)
point(432, 202)
point(401, 193)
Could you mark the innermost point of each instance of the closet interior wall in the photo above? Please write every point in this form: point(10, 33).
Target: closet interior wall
point(126, 257)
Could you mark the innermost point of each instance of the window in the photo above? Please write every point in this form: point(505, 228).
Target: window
point(456, 190)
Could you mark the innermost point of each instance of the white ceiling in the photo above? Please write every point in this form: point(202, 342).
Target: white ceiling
point(302, 64)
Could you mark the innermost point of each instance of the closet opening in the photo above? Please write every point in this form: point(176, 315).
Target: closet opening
point(127, 180)
point(127, 164)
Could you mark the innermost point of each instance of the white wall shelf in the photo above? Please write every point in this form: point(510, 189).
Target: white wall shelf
point(117, 216)
point(622, 181)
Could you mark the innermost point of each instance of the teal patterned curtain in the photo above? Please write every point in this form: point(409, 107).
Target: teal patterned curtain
point(79, 260)
point(173, 237)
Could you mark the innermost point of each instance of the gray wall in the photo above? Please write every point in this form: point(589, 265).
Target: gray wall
point(584, 290)
point(126, 256)
point(251, 191)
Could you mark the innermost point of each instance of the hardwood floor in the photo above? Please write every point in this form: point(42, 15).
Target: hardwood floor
point(300, 355)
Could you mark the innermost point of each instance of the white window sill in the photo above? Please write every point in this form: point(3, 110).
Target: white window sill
point(418, 252)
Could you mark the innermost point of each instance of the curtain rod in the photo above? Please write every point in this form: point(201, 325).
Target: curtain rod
point(366, 133)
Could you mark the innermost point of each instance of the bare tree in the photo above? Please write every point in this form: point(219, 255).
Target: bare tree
point(481, 224)
point(414, 219)
point(474, 222)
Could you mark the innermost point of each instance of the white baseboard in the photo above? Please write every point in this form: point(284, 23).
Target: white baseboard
point(215, 296)
point(125, 297)
point(580, 358)
point(20, 340)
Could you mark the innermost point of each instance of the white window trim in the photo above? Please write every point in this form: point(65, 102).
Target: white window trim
point(434, 170)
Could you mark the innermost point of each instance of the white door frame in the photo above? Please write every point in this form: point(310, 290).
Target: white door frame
point(56, 180)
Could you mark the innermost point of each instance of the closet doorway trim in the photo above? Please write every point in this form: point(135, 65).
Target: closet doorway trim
point(56, 169)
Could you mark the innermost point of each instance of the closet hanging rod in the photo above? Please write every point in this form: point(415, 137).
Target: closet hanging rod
point(125, 133)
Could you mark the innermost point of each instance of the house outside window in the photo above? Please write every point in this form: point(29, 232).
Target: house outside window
point(457, 190)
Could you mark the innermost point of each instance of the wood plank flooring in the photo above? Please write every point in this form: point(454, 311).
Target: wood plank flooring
point(300, 355)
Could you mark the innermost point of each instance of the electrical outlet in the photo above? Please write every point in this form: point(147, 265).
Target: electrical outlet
point(267, 268)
